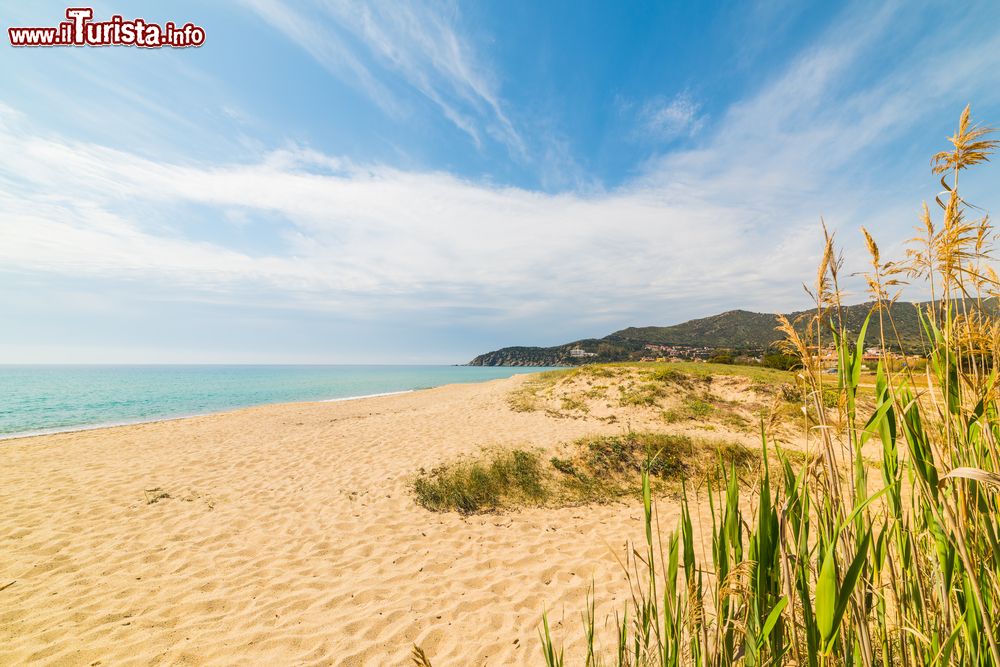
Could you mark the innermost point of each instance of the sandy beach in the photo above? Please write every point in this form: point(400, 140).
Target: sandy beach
point(489, 334)
point(287, 534)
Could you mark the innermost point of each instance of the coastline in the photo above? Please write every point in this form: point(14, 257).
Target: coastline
point(146, 395)
point(139, 422)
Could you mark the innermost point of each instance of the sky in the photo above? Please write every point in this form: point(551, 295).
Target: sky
point(379, 182)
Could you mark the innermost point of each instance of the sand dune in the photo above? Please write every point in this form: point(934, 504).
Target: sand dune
point(288, 535)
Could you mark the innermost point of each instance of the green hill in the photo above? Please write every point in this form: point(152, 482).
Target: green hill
point(603, 350)
point(739, 330)
point(732, 329)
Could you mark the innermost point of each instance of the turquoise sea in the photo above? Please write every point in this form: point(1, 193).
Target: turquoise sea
point(42, 399)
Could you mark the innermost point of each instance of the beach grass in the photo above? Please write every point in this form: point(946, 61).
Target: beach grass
point(591, 469)
point(834, 565)
point(902, 568)
point(500, 479)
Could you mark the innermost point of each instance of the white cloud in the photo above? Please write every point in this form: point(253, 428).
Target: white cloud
point(408, 239)
point(731, 222)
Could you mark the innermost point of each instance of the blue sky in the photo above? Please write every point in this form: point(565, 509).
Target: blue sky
point(376, 182)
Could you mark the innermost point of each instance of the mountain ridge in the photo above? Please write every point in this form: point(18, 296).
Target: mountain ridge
point(739, 330)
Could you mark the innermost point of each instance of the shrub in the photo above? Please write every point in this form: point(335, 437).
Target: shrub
point(631, 452)
point(783, 362)
point(722, 357)
point(597, 468)
point(506, 477)
point(670, 375)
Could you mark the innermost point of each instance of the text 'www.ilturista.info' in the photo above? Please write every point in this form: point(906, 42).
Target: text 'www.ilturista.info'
point(81, 30)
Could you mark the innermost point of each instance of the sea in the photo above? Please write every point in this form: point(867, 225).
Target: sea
point(50, 399)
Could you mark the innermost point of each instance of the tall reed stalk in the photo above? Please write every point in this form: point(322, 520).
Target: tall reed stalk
point(885, 548)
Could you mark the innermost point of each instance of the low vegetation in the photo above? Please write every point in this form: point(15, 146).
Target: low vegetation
point(529, 397)
point(504, 478)
point(647, 394)
point(692, 408)
point(593, 469)
point(710, 397)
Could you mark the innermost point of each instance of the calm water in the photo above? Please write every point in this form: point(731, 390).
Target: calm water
point(53, 398)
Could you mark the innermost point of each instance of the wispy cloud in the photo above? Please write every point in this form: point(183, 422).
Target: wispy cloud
point(421, 43)
point(665, 119)
point(327, 47)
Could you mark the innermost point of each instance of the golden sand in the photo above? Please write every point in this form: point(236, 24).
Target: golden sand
point(287, 534)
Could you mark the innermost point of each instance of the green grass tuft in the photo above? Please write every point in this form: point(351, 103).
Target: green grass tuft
point(506, 477)
point(595, 469)
point(647, 394)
